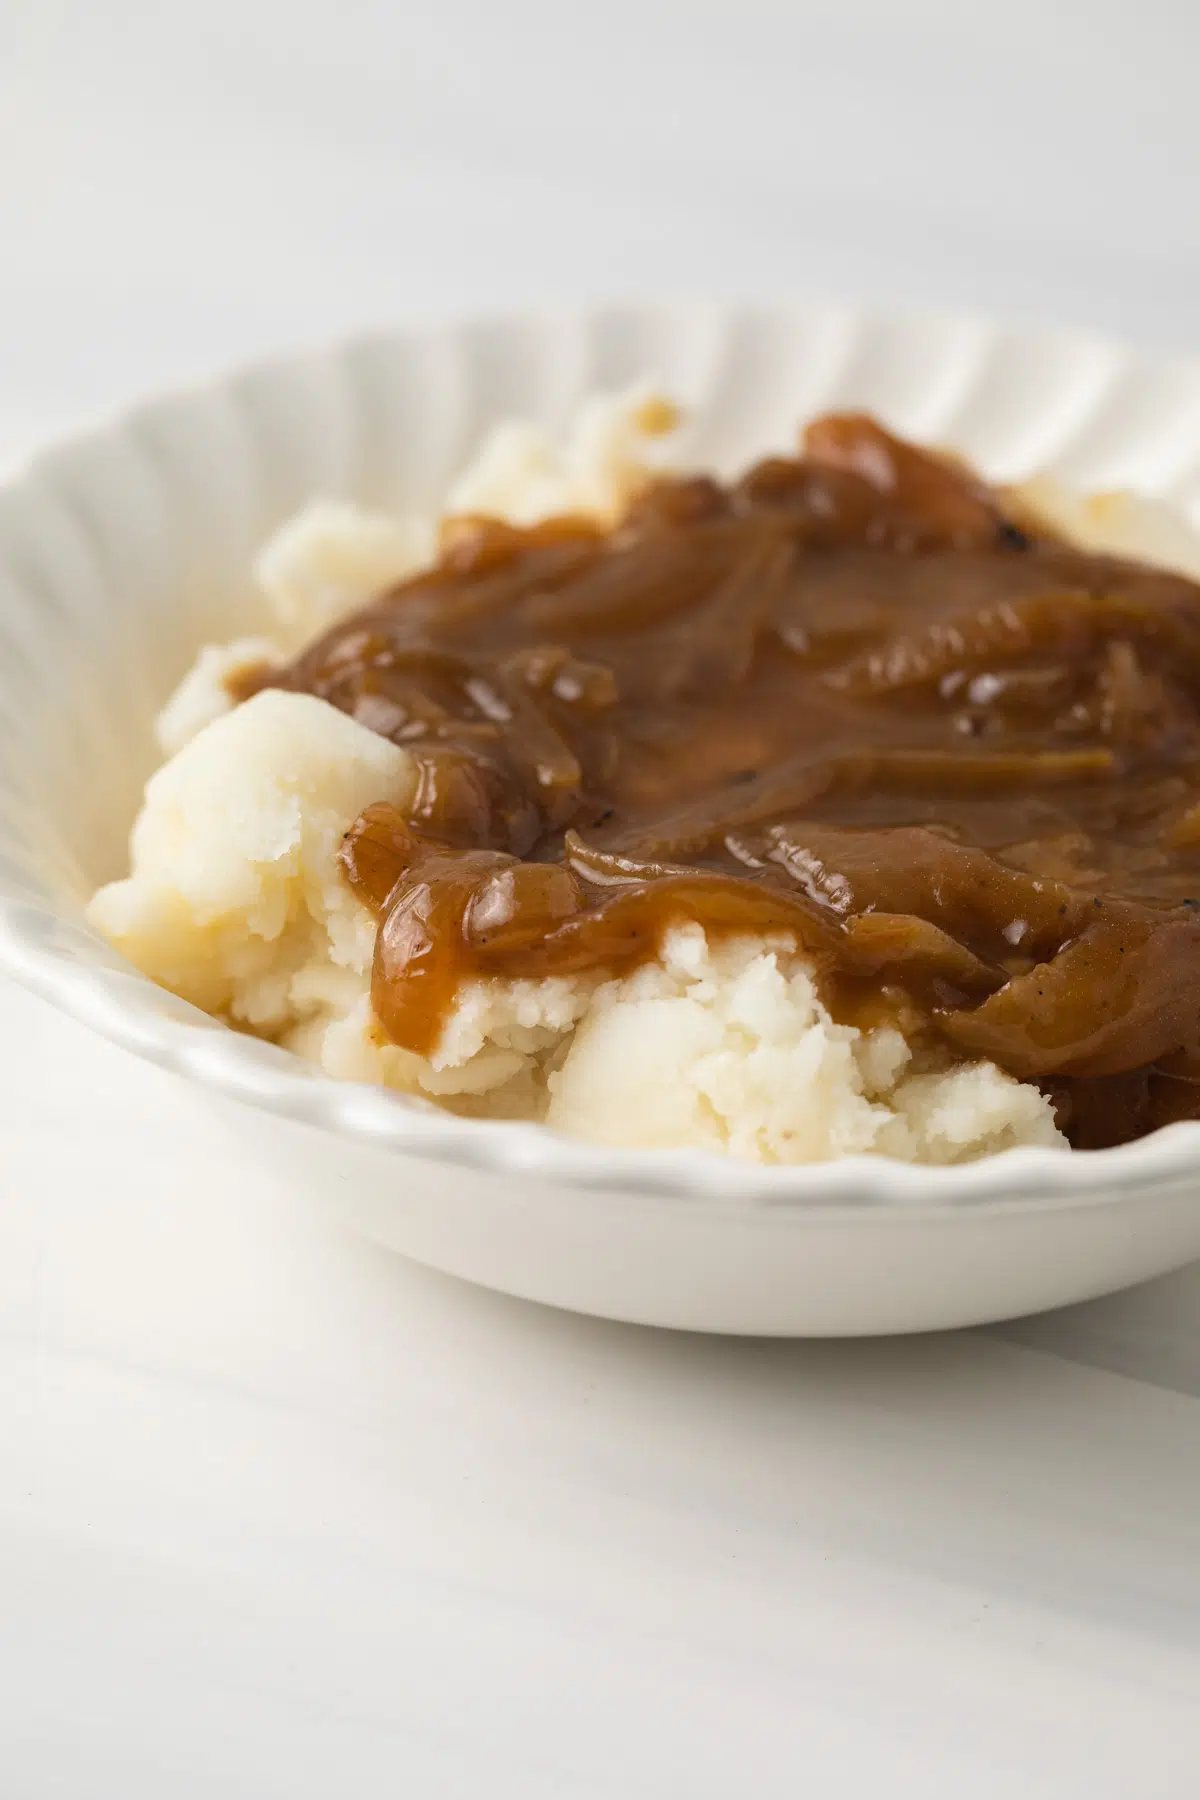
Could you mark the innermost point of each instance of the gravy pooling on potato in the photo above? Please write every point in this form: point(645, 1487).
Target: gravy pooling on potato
point(852, 696)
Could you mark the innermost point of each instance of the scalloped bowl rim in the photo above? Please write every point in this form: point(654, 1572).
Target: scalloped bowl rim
point(111, 997)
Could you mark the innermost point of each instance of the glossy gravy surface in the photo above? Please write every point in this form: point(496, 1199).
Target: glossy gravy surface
point(852, 696)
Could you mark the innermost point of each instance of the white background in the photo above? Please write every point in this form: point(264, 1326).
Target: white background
point(281, 1516)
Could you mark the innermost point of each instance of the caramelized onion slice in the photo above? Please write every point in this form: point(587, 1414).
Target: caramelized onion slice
point(419, 947)
point(1053, 620)
point(605, 868)
point(632, 587)
point(798, 784)
point(926, 959)
point(376, 851)
point(990, 771)
point(964, 892)
point(716, 647)
point(543, 749)
point(623, 925)
point(1122, 994)
point(947, 503)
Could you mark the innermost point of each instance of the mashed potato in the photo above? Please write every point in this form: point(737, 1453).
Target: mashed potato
point(235, 899)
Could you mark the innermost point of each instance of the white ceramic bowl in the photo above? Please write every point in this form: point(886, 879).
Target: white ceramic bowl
point(123, 550)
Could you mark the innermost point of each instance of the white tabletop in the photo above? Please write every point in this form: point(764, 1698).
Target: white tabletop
point(281, 1515)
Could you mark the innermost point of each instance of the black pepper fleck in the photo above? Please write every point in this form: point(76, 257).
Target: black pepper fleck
point(1012, 537)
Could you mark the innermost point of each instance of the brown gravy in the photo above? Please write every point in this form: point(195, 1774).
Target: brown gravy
point(852, 696)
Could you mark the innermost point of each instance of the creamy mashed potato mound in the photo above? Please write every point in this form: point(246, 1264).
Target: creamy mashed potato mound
point(236, 900)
